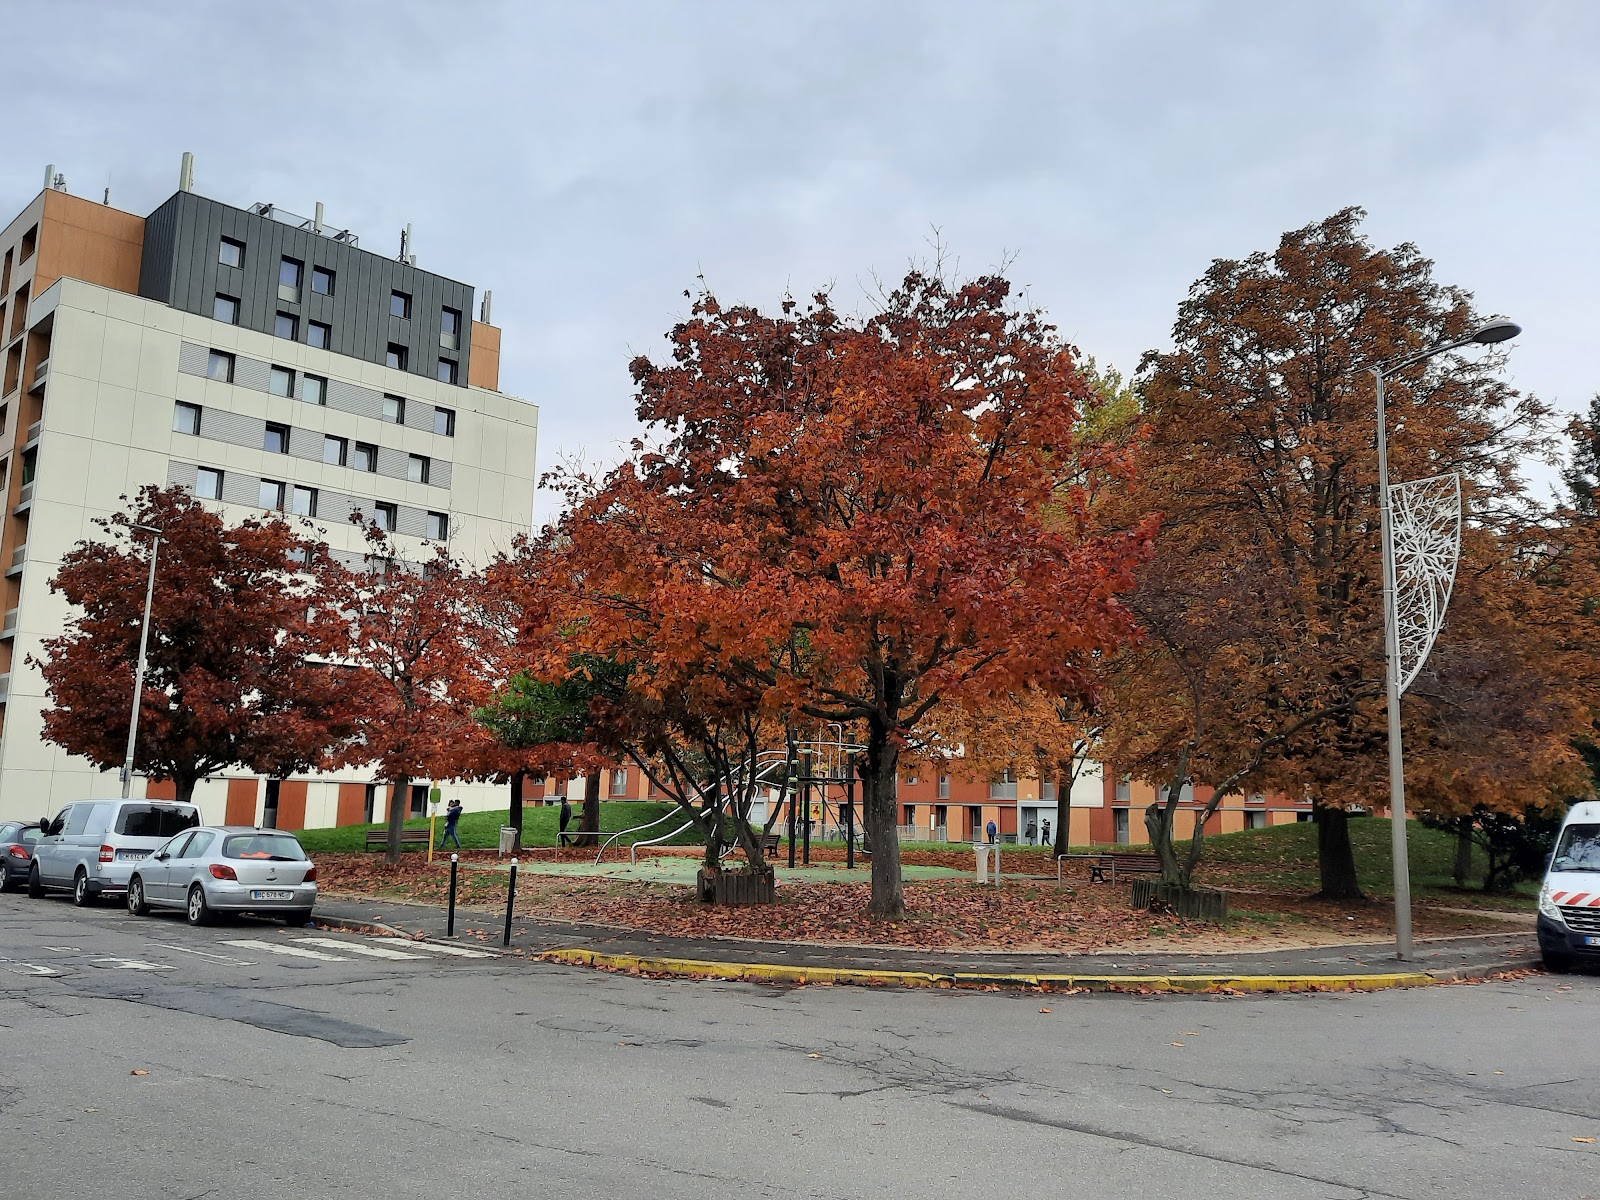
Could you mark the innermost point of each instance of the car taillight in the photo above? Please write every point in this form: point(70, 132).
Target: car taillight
point(222, 871)
point(18, 852)
point(311, 875)
point(108, 854)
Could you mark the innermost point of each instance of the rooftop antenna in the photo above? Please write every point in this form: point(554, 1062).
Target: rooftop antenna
point(60, 182)
point(484, 309)
point(49, 176)
point(405, 242)
point(186, 173)
point(316, 221)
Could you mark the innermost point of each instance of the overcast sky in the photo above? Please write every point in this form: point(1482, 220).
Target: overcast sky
point(587, 160)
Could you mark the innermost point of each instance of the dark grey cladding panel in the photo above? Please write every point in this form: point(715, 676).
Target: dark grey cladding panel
point(181, 268)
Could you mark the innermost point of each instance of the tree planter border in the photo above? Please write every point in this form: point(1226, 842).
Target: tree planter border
point(737, 887)
point(1204, 904)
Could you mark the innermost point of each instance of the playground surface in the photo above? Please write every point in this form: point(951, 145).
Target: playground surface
point(681, 869)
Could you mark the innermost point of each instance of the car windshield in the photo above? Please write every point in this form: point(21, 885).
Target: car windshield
point(155, 820)
point(8, 833)
point(1579, 849)
point(279, 847)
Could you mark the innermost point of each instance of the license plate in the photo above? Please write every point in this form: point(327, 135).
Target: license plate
point(1591, 940)
point(132, 855)
point(260, 894)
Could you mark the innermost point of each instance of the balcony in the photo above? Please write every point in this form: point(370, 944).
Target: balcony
point(5, 687)
point(19, 556)
point(41, 373)
point(33, 433)
point(24, 499)
point(9, 628)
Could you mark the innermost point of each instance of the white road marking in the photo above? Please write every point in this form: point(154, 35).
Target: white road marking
point(358, 948)
point(221, 958)
point(436, 948)
point(22, 968)
point(127, 964)
point(292, 951)
point(63, 949)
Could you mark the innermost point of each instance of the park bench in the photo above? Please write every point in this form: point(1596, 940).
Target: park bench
point(769, 846)
point(377, 839)
point(1116, 862)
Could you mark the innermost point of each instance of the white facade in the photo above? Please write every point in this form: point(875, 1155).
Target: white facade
point(118, 367)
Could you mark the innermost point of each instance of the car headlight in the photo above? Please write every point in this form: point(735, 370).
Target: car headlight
point(1548, 907)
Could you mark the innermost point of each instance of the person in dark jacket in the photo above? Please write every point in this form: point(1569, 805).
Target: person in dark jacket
point(452, 817)
point(993, 831)
point(566, 819)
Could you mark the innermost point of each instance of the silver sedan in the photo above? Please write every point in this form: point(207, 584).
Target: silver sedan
point(227, 869)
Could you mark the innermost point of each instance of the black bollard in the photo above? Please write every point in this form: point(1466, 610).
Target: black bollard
point(849, 834)
point(511, 902)
point(450, 921)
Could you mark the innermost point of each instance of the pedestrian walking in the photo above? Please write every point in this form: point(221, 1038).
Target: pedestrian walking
point(452, 816)
point(993, 831)
point(566, 819)
point(1044, 836)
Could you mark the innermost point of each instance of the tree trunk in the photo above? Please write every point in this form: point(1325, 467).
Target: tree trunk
point(183, 786)
point(1063, 827)
point(1462, 870)
point(589, 819)
point(1335, 857)
point(514, 813)
point(399, 803)
point(880, 802)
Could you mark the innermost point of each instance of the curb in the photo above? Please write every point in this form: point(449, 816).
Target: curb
point(779, 973)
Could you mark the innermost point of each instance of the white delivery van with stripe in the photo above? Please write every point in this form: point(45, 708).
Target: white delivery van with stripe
point(1569, 901)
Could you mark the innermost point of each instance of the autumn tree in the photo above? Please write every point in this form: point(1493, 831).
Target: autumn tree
point(406, 638)
point(1265, 663)
point(235, 674)
point(867, 518)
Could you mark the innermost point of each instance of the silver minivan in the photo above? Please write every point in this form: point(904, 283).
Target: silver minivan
point(92, 846)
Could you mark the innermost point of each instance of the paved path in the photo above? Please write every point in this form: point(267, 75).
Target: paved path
point(1474, 955)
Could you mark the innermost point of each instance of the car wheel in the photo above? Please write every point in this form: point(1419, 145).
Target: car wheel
point(6, 882)
point(297, 917)
point(1556, 964)
point(81, 895)
point(136, 902)
point(197, 910)
point(35, 884)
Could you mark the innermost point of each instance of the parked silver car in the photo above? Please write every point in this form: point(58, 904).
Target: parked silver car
point(227, 869)
point(17, 840)
point(92, 846)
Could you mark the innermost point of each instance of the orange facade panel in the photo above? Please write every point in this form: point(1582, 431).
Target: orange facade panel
point(241, 809)
point(483, 363)
point(352, 804)
point(92, 242)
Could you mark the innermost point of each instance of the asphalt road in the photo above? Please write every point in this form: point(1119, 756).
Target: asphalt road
point(273, 1066)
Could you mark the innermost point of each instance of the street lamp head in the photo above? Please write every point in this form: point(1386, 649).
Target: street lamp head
point(1496, 331)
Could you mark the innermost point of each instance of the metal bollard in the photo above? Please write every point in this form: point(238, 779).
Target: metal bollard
point(450, 921)
point(511, 902)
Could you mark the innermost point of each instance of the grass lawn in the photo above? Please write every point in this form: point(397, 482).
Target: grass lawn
point(481, 830)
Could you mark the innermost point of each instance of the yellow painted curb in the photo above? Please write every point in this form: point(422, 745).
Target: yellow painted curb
point(786, 973)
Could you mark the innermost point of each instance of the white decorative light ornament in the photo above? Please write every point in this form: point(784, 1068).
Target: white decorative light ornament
point(1426, 525)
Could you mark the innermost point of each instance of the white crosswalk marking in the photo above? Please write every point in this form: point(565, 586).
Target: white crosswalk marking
point(127, 964)
point(278, 948)
point(22, 968)
point(358, 948)
point(221, 958)
point(459, 951)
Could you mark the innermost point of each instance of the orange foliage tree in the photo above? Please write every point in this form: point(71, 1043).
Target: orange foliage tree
point(867, 518)
point(236, 673)
point(1265, 661)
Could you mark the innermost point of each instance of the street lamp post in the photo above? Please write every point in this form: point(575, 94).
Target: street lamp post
point(144, 641)
point(1497, 331)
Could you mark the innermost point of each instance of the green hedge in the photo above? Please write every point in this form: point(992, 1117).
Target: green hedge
point(481, 830)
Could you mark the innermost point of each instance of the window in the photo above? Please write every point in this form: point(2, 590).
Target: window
point(400, 305)
point(220, 367)
point(279, 847)
point(1124, 791)
point(230, 253)
point(1255, 820)
point(155, 820)
point(450, 329)
point(1119, 826)
point(225, 309)
point(322, 281)
point(944, 788)
point(318, 334)
point(366, 457)
point(334, 450)
point(280, 382)
point(304, 501)
point(30, 241)
point(30, 465)
point(272, 494)
point(1004, 788)
point(287, 325)
point(417, 468)
point(941, 816)
point(444, 421)
point(446, 372)
point(314, 389)
point(438, 527)
point(910, 817)
point(186, 418)
point(396, 357)
point(208, 484)
point(276, 440)
point(913, 779)
point(394, 410)
point(290, 273)
point(619, 781)
point(386, 515)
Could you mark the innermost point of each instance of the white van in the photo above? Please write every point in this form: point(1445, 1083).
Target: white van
point(92, 846)
point(1569, 901)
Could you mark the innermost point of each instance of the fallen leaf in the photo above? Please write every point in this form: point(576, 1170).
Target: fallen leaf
point(138, 1072)
point(1045, 1010)
point(813, 1056)
point(1177, 1043)
point(1586, 1141)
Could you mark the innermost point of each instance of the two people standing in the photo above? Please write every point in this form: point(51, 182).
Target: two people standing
point(452, 817)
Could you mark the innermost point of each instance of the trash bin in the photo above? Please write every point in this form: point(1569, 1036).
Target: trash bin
point(508, 839)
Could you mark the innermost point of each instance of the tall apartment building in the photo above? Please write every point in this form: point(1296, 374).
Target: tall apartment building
point(263, 360)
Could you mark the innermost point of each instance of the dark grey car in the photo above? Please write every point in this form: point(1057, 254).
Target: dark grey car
point(17, 840)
